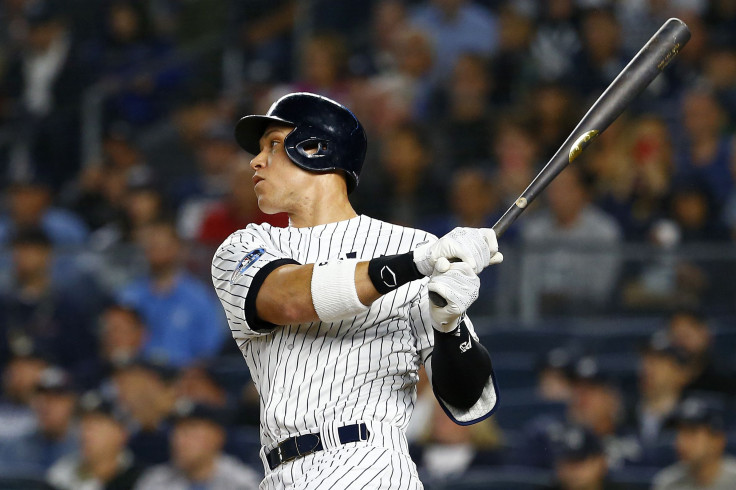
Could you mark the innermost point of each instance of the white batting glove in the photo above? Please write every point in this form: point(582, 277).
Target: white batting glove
point(459, 285)
point(476, 247)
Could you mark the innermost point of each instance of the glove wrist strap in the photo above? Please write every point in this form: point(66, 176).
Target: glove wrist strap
point(393, 271)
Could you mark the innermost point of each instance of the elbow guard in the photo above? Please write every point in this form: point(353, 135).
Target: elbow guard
point(461, 367)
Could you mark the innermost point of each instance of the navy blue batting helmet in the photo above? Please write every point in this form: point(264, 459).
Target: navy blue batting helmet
point(327, 137)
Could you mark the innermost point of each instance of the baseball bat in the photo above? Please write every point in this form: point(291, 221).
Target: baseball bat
point(649, 62)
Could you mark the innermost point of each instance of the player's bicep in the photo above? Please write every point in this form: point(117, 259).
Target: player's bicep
point(239, 269)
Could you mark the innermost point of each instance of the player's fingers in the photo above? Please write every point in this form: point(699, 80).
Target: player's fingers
point(490, 237)
point(456, 252)
point(442, 265)
point(463, 268)
point(496, 258)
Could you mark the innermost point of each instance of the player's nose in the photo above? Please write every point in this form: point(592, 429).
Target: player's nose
point(258, 161)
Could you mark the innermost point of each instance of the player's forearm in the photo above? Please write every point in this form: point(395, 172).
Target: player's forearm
point(285, 298)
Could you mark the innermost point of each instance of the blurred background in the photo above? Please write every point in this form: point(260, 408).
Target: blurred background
point(612, 316)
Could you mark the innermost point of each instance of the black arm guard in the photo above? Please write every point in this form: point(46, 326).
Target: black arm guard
point(461, 367)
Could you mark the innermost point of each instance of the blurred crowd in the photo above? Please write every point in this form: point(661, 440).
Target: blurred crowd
point(119, 176)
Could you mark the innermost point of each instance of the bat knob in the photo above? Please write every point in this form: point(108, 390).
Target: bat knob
point(437, 300)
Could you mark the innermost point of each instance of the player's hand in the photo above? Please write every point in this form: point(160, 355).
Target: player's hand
point(459, 285)
point(476, 247)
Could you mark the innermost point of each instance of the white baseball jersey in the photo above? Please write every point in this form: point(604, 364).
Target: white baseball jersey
point(317, 376)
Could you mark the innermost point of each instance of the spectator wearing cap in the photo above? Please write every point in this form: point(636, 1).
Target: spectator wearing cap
point(44, 80)
point(664, 372)
point(146, 392)
point(57, 318)
point(21, 373)
point(596, 404)
point(30, 205)
point(185, 321)
point(689, 330)
point(554, 376)
point(580, 461)
point(700, 445)
point(57, 433)
point(197, 458)
point(103, 462)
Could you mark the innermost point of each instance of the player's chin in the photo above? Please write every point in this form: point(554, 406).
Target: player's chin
point(267, 206)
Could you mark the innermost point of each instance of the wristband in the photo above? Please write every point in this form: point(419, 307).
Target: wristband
point(393, 271)
point(333, 291)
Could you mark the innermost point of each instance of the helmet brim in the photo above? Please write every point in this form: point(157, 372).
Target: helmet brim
point(248, 131)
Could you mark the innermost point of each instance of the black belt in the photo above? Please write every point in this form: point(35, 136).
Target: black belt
point(298, 446)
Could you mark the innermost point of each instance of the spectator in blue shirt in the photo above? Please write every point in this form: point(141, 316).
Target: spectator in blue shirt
point(30, 206)
point(456, 27)
point(185, 322)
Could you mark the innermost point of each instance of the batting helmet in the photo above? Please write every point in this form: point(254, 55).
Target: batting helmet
point(320, 124)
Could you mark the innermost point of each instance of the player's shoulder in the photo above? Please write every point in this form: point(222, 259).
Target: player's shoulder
point(252, 232)
point(670, 476)
point(385, 228)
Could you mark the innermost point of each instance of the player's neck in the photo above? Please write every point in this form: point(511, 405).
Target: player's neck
point(328, 205)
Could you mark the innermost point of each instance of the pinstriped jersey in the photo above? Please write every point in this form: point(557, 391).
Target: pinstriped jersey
point(362, 368)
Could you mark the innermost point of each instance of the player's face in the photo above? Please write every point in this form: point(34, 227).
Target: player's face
point(279, 184)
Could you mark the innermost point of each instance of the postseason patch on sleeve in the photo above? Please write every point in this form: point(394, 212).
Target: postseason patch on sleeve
point(247, 261)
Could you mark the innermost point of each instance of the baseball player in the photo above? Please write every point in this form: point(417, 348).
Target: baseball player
point(332, 313)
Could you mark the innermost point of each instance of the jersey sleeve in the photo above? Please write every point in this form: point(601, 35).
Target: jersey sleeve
point(239, 268)
point(486, 404)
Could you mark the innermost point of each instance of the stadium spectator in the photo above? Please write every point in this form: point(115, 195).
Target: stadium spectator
point(43, 81)
point(705, 151)
point(602, 57)
point(463, 117)
point(554, 376)
point(633, 166)
point(690, 331)
point(236, 210)
point(456, 27)
point(184, 322)
point(57, 433)
point(572, 238)
point(515, 155)
point(447, 450)
point(664, 373)
point(700, 444)
point(122, 337)
point(58, 319)
point(30, 205)
point(556, 41)
point(197, 460)
point(580, 462)
point(138, 62)
point(200, 384)
point(402, 92)
point(195, 196)
point(20, 376)
point(103, 462)
point(145, 391)
point(405, 186)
